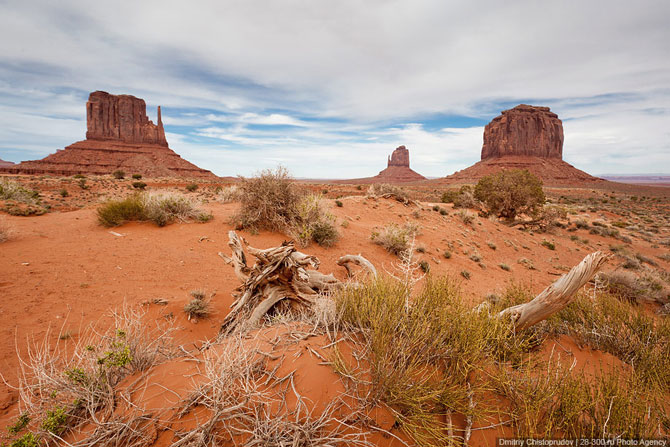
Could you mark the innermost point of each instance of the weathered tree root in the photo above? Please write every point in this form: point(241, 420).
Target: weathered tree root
point(283, 273)
point(557, 295)
point(280, 273)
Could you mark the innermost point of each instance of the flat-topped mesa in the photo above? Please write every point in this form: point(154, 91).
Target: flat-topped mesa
point(524, 131)
point(123, 118)
point(399, 157)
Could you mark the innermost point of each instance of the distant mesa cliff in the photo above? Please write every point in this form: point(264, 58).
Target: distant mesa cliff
point(123, 118)
point(119, 136)
point(525, 131)
point(5, 164)
point(525, 137)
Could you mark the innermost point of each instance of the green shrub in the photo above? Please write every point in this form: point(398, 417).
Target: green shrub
point(55, 421)
point(549, 245)
point(160, 208)
point(63, 193)
point(465, 274)
point(119, 174)
point(22, 422)
point(117, 212)
point(339, 203)
point(27, 440)
point(386, 190)
point(510, 192)
point(79, 176)
point(137, 176)
point(139, 185)
point(424, 266)
point(446, 254)
point(191, 187)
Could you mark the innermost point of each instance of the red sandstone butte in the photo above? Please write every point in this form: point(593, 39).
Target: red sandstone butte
point(5, 164)
point(397, 170)
point(525, 137)
point(119, 136)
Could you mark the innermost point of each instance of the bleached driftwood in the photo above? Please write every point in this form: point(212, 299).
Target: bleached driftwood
point(279, 273)
point(283, 273)
point(558, 295)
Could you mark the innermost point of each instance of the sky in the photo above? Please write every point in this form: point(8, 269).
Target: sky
point(329, 88)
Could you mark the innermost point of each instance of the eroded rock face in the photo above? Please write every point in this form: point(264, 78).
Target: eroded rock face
point(399, 157)
point(5, 164)
point(119, 136)
point(524, 131)
point(122, 117)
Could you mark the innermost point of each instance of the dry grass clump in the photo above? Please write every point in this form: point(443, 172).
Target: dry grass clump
point(197, 308)
point(247, 401)
point(5, 231)
point(423, 354)
point(635, 289)
point(229, 194)
point(10, 190)
point(388, 191)
point(394, 238)
point(161, 208)
point(62, 387)
point(271, 201)
point(547, 398)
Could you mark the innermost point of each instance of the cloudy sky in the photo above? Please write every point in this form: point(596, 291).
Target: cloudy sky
point(330, 88)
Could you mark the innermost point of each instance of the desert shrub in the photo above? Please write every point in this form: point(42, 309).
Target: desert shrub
point(386, 190)
point(548, 244)
point(10, 190)
point(27, 440)
point(510, 192)
point(139, 185)
point(446, 254)
point(21, 422)
point(116, 212)
point(63, 192)
point(191, 187)
point(269, 201)
point(119, 174)
point(160, 208)
point(424, 266)
point(635, 289)
point(137, 176)
point(466, 217)
point(197, 308)
point(5, 231)
point(313, 223)
point(421, 353)
point(449, 196)
point(581, 223)
point(466, 198)
point(229, 194)
point(339, 203)
point(394, 238)
point(82, 184)
point(505, 267)
point(465, 274)
point(604, 231)
point(79, 176)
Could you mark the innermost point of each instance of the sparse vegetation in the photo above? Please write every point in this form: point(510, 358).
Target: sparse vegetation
point(510, 192)
point(197, 308)
point(390, 191)
point(271, 201)
point(160, 208)
point(119, 174)
point(137, 176)
point(191, 187)
point(63, 192)
point(548, 244)
point(394, 238)
point(10, 190)
point(139, 185)
point(339, 203)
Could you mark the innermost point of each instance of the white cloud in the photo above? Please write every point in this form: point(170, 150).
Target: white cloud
point(339, 77)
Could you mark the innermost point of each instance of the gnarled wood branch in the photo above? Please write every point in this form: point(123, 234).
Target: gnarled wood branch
point(279, 273)
point(556, 296)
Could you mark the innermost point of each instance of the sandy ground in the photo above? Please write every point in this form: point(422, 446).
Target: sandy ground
point(61, 272)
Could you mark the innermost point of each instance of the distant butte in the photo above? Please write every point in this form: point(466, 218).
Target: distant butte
point(119, 136)
point(397, 170)
point(525, 137)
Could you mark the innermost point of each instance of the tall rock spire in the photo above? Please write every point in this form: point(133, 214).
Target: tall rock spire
point(161, 131)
